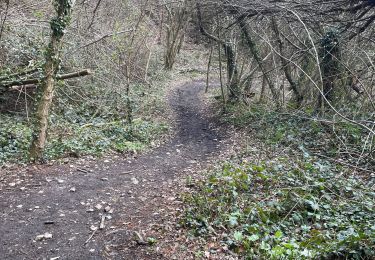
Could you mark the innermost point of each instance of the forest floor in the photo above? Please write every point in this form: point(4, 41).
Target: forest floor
point(114, 207)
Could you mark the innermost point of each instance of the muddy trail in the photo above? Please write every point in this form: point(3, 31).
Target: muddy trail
point(90, 209)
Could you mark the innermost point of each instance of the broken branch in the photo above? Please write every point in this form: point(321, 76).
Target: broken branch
point(7, 84)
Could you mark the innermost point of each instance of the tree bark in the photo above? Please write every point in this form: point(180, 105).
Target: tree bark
point(221, 78)
point(285, 64)
point(234, 90)
point(208, 68)
point(47, 88)
point(177, 22)
point(330, 61)
point(254, 52)
point(8, 84)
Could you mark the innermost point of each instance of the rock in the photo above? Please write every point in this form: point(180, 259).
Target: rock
point(12, 184)
point(43, 236)
point(104, 179)
point(93, 228)
point(98, 206)
point(47, 235)
point(39, 237)
point(72, 189)
point(90, 210)
point(60, 181)
point(107, 209)
point(20, 206)
point(134, 181)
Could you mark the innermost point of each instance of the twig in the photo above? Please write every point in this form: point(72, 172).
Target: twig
point(82, 170)
point(102, 225)
point(343, 163)
point(92, 234)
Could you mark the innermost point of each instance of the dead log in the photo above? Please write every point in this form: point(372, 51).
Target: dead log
point(5, 85)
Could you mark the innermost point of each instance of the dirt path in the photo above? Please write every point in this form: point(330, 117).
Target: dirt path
point(67, 200)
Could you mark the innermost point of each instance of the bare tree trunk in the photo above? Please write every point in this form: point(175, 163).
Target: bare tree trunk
point(234, 90)
point(176, 24)
point(221, 78)
point(285, 64)
point(254, 52)
point(5, 17)
point(129, 109)
point(233, 77)
point(208, 68)
point(148, 62)
point(263, 90)
point(47, 88)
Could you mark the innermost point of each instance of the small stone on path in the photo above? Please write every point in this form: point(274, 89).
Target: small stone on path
point(135, 181)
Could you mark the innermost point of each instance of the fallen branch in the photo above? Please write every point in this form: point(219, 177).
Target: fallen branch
point(7, 84)
point(19, 74)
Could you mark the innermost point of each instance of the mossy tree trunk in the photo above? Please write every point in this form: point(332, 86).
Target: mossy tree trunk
point(233, 76)
point(330, 67)
point(230, 53)
point(47, 88)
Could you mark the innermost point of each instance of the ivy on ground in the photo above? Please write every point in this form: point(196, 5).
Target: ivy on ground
point(70, 138)
point(283, 210)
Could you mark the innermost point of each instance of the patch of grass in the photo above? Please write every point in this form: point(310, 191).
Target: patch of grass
point(304, 209)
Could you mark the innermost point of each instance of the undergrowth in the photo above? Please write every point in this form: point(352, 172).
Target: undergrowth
point(67, 138)
point(297, 200)
point(89, 115)
point(302, 131)
point(285, 209)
